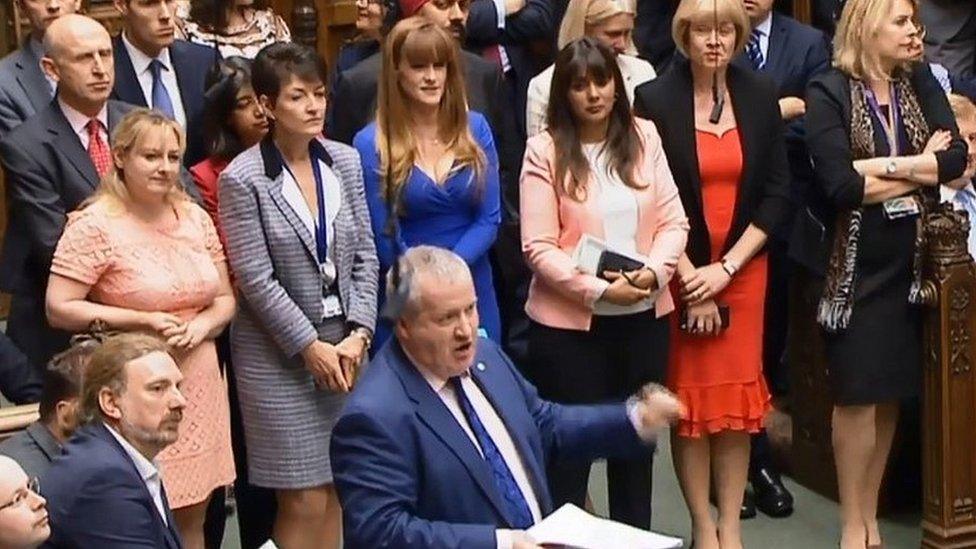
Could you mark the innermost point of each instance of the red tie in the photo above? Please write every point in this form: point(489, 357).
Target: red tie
point(97, 149)
point(494, 54)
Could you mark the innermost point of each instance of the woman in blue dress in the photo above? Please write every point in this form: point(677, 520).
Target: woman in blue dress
point(430, 165)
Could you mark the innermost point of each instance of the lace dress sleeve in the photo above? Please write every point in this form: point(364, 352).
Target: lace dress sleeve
point(85, 250)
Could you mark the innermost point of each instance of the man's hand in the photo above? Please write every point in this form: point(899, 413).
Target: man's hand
point(521, 540)
point(657, 408)
point(792, 107)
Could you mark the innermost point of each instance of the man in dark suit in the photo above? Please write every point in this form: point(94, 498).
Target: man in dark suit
point(791, 54)
point(155, 70)
point(950, 37)
point(36, 447)
point(50, 171)
point(444, 444)
point(105, 491)
point(516, 35)
point(652, 32)
point(24, 89)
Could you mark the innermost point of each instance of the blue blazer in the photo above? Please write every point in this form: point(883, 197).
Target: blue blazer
point(191, 62)
point(409, 477)
point(96, 498)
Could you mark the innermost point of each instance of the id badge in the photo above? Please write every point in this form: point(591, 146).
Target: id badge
point(903, 206)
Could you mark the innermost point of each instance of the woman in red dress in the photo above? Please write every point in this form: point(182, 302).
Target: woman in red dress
point(729, 162)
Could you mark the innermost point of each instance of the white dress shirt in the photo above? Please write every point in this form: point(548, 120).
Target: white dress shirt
point(496, 430)
point(618, 207)
point(147, 470)
point(764, 29)
point(79, 123)
point(634, 70)
point(292, 193)
point(140, 63)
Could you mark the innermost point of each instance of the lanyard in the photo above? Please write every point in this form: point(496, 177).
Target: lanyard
point(321, 235)
point(889, 123)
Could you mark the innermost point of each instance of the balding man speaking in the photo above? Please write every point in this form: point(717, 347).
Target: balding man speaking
point(444, 444)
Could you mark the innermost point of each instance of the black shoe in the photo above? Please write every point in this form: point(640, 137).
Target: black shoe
point(748, 509)
point(772, 498)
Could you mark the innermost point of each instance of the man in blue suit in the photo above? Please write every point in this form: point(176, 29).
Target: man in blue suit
point(791, 54)
point(105, 491)
point(443, 444)
point(152, 69)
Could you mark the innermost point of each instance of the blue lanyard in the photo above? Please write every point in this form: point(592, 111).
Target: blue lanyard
point(321, 235)
point(889, 125)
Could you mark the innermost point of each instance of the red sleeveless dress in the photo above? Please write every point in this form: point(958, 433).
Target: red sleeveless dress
point(719, 378)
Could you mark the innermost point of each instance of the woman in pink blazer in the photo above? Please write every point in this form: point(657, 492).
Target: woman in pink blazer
point(598, 171)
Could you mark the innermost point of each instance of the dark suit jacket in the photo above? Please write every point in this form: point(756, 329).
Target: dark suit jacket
point(33, 449)
point(838, 186)
point(191, 63)
point(652, 32)
point(409, 477)
point(526, 37)
point(355, 96)
point(23, 88)
point(97, 498)
point(20, 382)
point(763, 195)
point(796, 54)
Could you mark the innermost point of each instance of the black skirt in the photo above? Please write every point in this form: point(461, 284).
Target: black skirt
point(878, 358)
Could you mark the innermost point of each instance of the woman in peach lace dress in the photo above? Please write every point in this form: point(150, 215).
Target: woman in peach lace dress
point(141, 256)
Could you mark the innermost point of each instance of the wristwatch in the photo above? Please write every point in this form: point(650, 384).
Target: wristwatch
point(729, 267)
point(891, 168)
point(365, 334)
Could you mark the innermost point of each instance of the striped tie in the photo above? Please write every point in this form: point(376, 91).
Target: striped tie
point(754, 51)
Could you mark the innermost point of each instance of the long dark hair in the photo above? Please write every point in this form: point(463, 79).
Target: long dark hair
point(590, 61)
point(212, 14)
point(224, 82)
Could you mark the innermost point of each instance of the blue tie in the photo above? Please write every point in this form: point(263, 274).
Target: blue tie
point(515, 502)
point(160, 97)
point(754, 51)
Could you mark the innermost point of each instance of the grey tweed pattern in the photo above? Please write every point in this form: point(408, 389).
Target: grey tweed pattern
point(287, 420)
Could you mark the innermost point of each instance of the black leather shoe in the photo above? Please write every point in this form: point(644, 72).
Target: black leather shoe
point(748, 509)
point(772, 498)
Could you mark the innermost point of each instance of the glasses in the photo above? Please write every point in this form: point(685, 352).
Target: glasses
point(33, 487)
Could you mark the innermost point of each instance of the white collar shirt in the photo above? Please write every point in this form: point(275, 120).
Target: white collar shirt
point(79, 123)
point(764, 29)
point(140, 64)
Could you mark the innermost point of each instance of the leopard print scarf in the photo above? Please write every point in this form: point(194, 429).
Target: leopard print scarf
point(837, 302)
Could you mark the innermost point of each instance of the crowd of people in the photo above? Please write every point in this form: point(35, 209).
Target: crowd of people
point(408, 301)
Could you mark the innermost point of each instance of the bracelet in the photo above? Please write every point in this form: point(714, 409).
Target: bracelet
point(364, 334)
point(729, 267)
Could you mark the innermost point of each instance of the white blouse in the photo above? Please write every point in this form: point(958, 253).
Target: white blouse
point(619, 210)
point(292, 194)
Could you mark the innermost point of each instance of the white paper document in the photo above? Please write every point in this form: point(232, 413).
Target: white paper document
point(572, 527)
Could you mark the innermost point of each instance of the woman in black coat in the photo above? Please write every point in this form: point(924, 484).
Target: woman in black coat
point(881, 135)
point(733, 179)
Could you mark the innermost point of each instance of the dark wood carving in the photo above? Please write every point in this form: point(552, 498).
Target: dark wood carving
point(949, 411)
point(304, 23)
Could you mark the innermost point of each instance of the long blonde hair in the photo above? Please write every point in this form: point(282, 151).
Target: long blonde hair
point(859, 23)
point(135, 124)
point(419, 41)
point(583, 13)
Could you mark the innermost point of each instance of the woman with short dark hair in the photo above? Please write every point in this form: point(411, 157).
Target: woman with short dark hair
point(235, 27)
point(300, 245)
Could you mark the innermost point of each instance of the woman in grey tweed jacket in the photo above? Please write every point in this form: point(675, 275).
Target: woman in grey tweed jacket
point(301, 249)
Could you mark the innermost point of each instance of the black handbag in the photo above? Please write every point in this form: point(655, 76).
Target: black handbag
point(612, 261)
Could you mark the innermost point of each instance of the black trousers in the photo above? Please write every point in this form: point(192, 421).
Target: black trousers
point(610, 362)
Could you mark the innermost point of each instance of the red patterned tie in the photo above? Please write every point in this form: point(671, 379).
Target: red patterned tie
point(97, 149)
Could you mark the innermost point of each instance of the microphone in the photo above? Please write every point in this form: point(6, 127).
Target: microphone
point(718, 102)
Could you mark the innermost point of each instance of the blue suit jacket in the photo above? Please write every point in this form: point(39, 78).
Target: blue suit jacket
point(23, 88)
point(96, 498)
point(409, 477)
point(191, 62)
